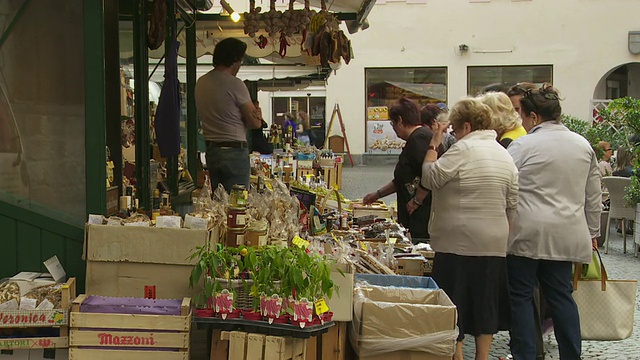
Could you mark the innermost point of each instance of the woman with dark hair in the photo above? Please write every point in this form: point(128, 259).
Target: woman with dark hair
point(430, 114)
point(624, 162)
point(475, 190)
point(414, 201)
point(556, 223)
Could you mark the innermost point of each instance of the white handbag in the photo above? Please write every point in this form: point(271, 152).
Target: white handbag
point(606, 306)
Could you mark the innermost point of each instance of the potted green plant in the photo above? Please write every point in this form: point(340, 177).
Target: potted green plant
point(270, 265)
point(202, 300)
point(216, 267)
point(310, 281)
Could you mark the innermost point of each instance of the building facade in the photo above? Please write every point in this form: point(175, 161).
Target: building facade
point(442, 50)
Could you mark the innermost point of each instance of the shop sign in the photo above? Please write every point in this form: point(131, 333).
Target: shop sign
point(113, 339)
point(35, 318)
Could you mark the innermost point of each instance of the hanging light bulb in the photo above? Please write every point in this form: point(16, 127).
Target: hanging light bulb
point(235, 17)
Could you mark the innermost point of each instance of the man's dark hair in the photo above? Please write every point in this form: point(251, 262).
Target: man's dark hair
point(228, 52)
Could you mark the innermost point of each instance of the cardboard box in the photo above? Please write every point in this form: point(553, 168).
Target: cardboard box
point(384, 316)
point(121, 260)
point(341, 303)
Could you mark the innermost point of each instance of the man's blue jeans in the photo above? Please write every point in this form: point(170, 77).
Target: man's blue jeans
point(228, 166)
point(556, 285)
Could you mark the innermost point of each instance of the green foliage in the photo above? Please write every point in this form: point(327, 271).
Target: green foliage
point(288, 272)
point(632, 192)
point(614, 134)
point(214, 262)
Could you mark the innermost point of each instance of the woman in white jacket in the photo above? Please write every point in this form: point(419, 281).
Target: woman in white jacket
point(475, 188)
point(555, 224)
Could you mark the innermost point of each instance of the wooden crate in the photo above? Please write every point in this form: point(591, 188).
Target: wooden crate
point(249, 346)
point(303, 173)
point(158, 337)
point(329, 176)
point(28, 319)
point(331, 345)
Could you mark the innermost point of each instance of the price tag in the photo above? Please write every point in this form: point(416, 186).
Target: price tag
point(321, 307)
point(393, 240)
point(298, 241)
point(335, 187)
point(363, 245)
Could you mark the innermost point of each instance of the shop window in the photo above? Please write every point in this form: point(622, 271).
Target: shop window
point(500, 78)
point(314, 106)
point(384, 87)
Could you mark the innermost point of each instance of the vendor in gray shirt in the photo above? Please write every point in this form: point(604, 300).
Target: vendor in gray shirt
point(227, 112)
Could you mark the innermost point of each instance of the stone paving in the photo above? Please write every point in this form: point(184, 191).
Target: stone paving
point(361, 180)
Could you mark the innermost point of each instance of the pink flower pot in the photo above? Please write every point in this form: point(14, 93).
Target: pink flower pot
point(203, 312)
point(252, 316)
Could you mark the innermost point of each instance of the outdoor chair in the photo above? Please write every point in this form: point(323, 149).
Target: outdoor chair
point(618, 209)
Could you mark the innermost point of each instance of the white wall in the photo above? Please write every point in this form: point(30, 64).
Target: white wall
point(582, 39)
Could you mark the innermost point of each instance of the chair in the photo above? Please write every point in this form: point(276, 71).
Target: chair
point(618, 209)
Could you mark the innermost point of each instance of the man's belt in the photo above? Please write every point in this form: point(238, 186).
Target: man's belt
point(227, 144)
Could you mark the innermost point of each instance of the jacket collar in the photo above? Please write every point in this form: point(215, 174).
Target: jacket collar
point(551, 125)
point(481, 135)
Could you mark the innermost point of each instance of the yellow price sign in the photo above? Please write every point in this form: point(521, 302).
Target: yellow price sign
point(298, 241)
point(321, 307)
point(363, 245)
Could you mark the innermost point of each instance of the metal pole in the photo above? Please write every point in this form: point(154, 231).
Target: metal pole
point(172, 161)
point(141, 102)
point(95, 114)
point(192, 114)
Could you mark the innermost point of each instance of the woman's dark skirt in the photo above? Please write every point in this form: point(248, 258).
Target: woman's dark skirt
point(478, 287)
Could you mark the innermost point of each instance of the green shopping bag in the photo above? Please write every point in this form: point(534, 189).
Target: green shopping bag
point(592, 271)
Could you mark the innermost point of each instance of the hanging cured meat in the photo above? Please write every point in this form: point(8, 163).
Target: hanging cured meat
point(158, 24)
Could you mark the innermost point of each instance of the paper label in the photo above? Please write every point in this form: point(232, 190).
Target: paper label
point(298, 241)
point(316, 222)
point(95, 219)
point(45, 305)
point(138, 223)
point(26, 275)
point(240, 239)
point(321, 307)
point(241, 219)
point(27, 304)
point(168, 222)
point(114, 222)
point(10, 305)
point(363, 245)
point(55, 269)
point(192, 222)
point(262, 240)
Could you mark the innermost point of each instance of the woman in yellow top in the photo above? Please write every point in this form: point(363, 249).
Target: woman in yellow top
point(508, 123)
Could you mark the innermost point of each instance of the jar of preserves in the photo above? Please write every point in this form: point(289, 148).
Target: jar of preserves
point(238, 196)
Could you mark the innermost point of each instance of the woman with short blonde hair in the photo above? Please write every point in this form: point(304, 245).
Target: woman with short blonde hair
point(473, 112)
point(507, 122)
point(475, 191)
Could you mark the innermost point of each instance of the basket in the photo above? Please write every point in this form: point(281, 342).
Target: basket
point(321, 202)
point(242, 288)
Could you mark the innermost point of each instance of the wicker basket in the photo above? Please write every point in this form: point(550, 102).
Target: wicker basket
point(242, 287)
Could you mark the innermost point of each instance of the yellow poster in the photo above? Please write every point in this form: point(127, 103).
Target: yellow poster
point(376, 113)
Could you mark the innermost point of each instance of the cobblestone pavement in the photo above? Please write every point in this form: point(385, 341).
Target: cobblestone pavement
point(361, 180)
